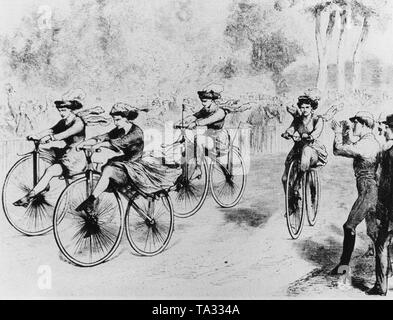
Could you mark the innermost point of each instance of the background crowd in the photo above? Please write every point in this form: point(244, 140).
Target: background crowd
point(265, 116)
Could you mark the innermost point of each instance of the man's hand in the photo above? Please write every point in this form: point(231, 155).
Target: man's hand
point(336, 127)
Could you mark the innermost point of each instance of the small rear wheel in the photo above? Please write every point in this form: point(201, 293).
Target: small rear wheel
point(149, 223)
point(228, 179)
point(191, 187)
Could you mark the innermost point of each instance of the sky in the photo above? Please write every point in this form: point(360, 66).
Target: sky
point(12, 11)
point(212, 13)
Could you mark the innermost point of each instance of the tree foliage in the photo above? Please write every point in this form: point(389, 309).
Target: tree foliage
point(274, 52)
point(255, 25)
point(117, 46)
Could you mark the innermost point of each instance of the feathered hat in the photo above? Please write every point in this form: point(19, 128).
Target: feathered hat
point(211, 92)
point(125, 110)
point(72, 99)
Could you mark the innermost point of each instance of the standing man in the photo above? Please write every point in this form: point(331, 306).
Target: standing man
point(365, 153)
point(384, 214)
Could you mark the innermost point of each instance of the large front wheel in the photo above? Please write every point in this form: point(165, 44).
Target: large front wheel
point(36, 218)
point(87, 239)
point(294, 200)
point(149, 223)
point(228, 179)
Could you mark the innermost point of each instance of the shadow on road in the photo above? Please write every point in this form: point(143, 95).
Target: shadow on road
point(325, 256)
point(251, 217)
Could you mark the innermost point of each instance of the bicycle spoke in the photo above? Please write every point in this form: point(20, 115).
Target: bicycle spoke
point(190, 190)
point(160, 213)
point(227, 188)
point(105, 212)
point(159, 234)
point(140, 225)
point(103, 239)
point(149, 237)
point(153, 236)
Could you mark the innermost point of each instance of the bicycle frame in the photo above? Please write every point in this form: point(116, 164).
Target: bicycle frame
point(150, 208)
point(182, 139)
point(36, 164)
point(90, 170)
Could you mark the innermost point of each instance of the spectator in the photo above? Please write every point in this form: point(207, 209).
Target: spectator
point(23, 120)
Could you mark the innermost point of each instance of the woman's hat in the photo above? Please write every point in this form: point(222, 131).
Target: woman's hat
point(72, 99)
point(125, 110)
point(69, 104)
point(364, 117)
point(211, 92)
point(306, 99)
point(208, 95)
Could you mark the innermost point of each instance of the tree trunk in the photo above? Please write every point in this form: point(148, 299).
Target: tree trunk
point(341, 51)
point(322, 47)
point(322, 65)
point(357, 55)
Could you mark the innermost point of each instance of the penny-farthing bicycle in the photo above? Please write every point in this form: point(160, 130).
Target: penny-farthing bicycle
point(224, 175)
point(35, 218)
point(90, 238)
point(302, 194)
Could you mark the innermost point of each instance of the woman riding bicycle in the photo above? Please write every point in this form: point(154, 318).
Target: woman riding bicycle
point(309, 126)
point(213, 117)
point(128, 172)
point(66, 161)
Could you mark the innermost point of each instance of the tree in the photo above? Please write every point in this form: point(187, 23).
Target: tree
point(365, 12)
point(340, 48)
point(118, 49)
point(274, 52)
point(322, 45)
point(255, 26)
point(359, 13)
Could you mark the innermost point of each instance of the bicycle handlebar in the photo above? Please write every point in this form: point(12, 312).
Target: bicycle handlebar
point(179, 126)
point(91, 149)
point(28, 138)
point(297, 138)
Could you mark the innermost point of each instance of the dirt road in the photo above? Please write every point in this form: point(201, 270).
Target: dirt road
point(241, 253)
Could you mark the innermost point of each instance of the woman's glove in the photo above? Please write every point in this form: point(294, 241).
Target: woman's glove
point(46, 139)
point(286, 135)
point(307, 136)
point(192, 125)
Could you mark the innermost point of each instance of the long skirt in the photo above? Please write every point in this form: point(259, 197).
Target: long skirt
point(146, 175)
point(318, 148)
